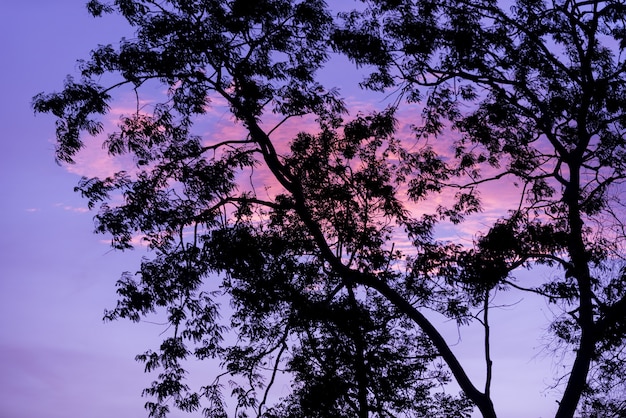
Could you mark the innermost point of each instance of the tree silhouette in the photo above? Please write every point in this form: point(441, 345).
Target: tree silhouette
point(330, 273)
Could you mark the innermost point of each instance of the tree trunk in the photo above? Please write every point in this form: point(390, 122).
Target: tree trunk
point(580, 271)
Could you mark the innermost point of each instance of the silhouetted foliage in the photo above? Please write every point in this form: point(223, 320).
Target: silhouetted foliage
point(325, 246)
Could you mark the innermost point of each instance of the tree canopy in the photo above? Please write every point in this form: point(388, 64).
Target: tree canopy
point(319, 255)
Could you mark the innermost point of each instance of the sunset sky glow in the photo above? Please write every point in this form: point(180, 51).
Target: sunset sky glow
point(57, 357)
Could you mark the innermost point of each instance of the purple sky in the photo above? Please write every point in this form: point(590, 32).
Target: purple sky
point(57, 358)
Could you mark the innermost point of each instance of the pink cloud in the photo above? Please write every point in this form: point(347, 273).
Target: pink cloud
point(69, 208)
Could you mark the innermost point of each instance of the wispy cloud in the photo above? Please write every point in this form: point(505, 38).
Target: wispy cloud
point(71, 208)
